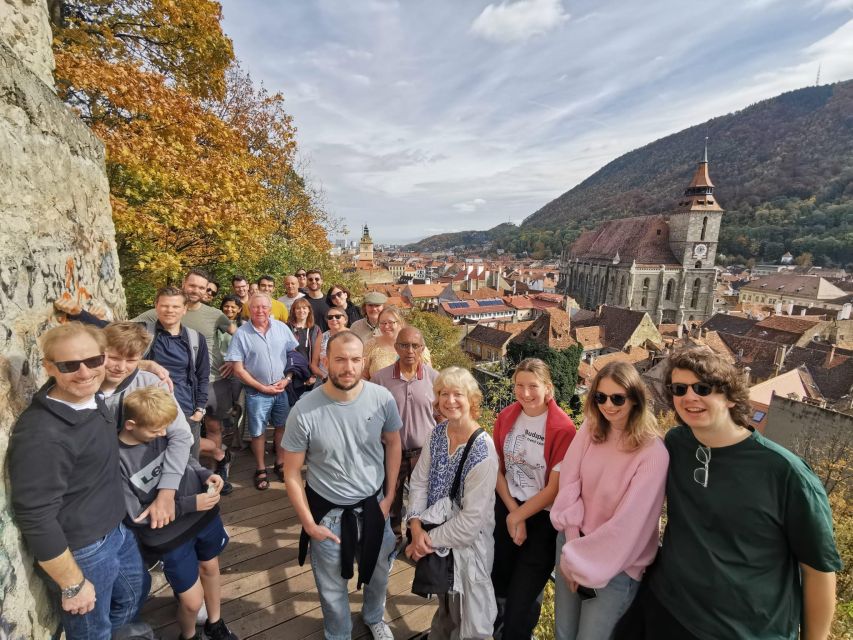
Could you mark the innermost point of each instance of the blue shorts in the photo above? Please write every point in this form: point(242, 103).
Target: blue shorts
point(180, 565)
point(265, 409)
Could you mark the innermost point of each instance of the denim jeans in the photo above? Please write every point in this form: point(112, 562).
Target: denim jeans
point(113, 565)
point(334, 594)
point(593, 619)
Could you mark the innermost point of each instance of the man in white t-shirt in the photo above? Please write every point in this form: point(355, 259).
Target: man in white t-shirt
point(291, 291)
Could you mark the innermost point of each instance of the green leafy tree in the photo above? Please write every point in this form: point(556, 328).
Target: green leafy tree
point(562, 362)
point(442, 337)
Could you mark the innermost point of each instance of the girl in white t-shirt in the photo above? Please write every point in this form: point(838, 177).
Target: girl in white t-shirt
point(531, 436)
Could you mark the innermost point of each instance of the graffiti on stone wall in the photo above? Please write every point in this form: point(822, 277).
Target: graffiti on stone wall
point(28, 286)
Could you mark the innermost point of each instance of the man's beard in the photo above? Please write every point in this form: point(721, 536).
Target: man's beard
point(335, 380)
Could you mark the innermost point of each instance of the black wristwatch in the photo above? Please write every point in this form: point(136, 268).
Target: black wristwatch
point(73, 590)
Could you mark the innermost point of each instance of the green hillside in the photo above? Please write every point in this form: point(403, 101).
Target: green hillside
point(783, 169)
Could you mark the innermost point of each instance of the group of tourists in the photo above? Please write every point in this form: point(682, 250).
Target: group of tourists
point(381, 455)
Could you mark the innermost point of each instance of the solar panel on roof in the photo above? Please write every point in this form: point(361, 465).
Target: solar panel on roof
point(490, 303)
point(458, 305)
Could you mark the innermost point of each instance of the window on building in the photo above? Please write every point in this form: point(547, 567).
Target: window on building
point(644, 300)
point(698, 264)
point(670, 286)
point(705, 225)
point(694, 299)
point(622, 291)
point(758, 416)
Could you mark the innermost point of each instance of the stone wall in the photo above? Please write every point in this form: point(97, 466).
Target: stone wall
point(25, 29)
point(805, 428)
point(56, 240)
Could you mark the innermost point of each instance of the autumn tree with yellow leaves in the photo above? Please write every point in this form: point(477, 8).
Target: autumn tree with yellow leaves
point(201, 163)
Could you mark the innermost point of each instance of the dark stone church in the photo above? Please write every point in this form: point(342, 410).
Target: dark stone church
point(660, 264)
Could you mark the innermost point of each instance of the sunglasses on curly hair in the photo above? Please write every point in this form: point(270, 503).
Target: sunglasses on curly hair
point(618, 399)
point(699, 388)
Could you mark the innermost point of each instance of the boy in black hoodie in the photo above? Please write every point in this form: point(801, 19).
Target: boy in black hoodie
point(190, 545)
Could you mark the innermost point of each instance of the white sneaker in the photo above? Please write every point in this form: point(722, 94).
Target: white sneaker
point(381, 631)
point(201, 618)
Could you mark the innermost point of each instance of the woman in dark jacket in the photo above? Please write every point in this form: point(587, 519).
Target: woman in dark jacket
point(340, 298)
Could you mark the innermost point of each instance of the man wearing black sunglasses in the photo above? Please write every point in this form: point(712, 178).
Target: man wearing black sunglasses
point(748, 550)
point(66, 489)
point(314, 295)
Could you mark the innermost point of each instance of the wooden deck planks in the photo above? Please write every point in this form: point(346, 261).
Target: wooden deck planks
point(265, 593)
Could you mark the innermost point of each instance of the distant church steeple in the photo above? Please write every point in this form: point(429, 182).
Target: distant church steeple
point(699, 194)
point(365, 250)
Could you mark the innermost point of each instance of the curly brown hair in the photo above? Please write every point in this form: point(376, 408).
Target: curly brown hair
point(713, 369)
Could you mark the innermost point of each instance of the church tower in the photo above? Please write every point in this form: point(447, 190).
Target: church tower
point(694, 226)
point(365, 250)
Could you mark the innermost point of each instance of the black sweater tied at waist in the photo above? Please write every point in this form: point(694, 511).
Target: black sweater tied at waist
point(373, 529)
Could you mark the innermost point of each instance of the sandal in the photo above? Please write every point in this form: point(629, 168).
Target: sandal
point(261, 484)
point(279, 470)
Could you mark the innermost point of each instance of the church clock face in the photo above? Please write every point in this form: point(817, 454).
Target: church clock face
point(700, 251)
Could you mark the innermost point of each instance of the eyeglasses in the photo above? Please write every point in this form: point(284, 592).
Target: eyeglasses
point(212, 292)
point(337, 294)
point(335, 317)
point(314, 279)
point(300, 275)
point(703, 455)
point(70, 366)
point(618, 399)
point(409, 346)
point(699, 388)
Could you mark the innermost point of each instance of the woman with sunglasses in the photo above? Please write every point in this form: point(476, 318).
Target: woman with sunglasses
point(531, 437)
point(608, 507)
point(379, 352)
point(748, 550)
point(337, 321)
point(339, 297)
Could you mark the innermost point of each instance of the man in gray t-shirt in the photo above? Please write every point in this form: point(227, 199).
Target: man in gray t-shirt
point(348, 433)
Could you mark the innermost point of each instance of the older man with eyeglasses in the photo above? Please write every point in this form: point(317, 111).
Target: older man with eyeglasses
point(748, 551)
point(410, 381)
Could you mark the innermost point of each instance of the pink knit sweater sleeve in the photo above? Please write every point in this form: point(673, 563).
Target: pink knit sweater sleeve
point(630, 533)
point(567, 510)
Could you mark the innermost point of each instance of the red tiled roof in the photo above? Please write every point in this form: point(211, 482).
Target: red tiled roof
point(589, 337)
point(619, 324)
point(644, 239)
point(789, 323)
point(552, 328)
point(483, 293)
point(489, 335)
point(425, 290)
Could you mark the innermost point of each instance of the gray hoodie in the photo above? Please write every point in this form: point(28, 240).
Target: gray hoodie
point(178, 433)
point(141, 468)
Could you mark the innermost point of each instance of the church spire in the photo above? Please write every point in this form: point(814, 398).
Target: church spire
point(699, 194)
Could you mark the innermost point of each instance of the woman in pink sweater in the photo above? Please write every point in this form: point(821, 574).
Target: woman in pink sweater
point(608, 506)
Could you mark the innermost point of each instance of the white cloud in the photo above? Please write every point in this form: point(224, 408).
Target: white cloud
point(516, 21)
point(469, 207)
point(414, 138)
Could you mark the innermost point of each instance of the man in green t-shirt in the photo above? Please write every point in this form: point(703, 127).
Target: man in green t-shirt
point(748, 552)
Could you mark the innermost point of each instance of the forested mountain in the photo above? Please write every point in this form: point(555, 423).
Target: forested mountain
point(783, 169)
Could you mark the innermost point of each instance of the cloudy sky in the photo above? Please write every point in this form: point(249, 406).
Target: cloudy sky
point(421, 117)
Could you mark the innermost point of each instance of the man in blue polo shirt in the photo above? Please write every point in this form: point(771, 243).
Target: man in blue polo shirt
point(258, 352)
